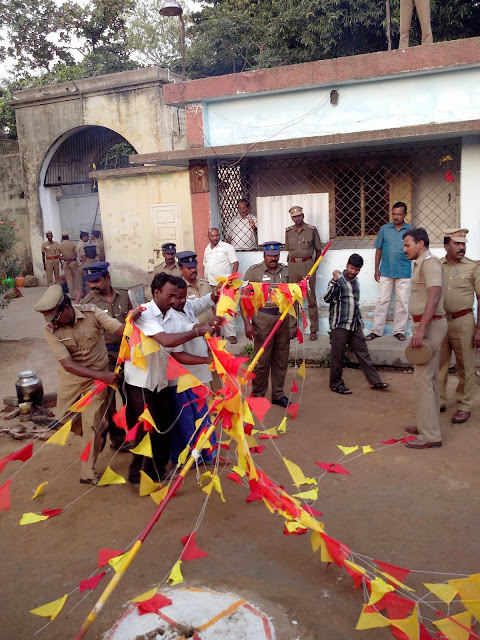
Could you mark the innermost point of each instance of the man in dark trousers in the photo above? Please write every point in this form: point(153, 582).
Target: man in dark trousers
point(346, 326)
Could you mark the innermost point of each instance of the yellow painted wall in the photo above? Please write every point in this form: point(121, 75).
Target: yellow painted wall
point(127, 225)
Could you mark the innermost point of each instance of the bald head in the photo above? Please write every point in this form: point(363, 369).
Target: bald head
point(214, 236)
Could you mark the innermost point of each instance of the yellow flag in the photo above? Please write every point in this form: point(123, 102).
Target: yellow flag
point(144, 448)
point(394, 580)
point(270, 432)
point(469, 591)
point(60, 437)
point(175, 576)
point(282, 428)
point(149, 345)
point(182, 457)
point(379, 588)
point(138, 360)
point(452, 630)
point(312, 494)
point(355, 567)
point(297, 474)
point(316, 540)
point(294, 526)
point(31, 518)
point(347, 450)
point(39, 490)
point(445, 592)
point(371, 620)
point(116, 562)
point(145, 596)
point(247, 414)
point(50, 610)
point(75, 406)
point(367, 449)
point(158, 496)
point(409, 626)
point(146, 415)
point(147, 485)
point(237, 470)
point(110, 477)
point(301, 370)
point(187, 381)
point(324, 554)
point(214, 484)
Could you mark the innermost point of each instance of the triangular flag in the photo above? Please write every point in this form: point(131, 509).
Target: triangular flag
point(294, 528)
point(451, 626)
point(367, 449)
point(187, 381)
point(147, 485)
point(312, 494)
point(235, 477)
point(91, 583)
point(158, 496)
point(175, 369)
point(347, 450)
point(5, 495)
point(338, 551)
point(51, 513)
point(356, 572)
point(259, 406)
point(299, 336)
point(84, 456)
point(117, 561)
point(282, 428)
point(409, 626)
point(145, 596)
point(144, 448)
point(297, 474)
point(104, 555)
point(331, 467)
point(378, 589)
point(175, 576)
point(39, 490)
point(301, 370)
point(469, 592)
point(445, 592)
point(120, 418)
point(31, 518)
point(132, 433)
point(147, 417)
point(397, 572)
point(153, 604)
point(294, 388)
point(23, 454)
point(191, 551)
point(397, 606)
point(60, 437)
point(292, 409)
point(50, 610)
point(110, 477)
point(371, 620)
point(448, 176)
point(214, 484)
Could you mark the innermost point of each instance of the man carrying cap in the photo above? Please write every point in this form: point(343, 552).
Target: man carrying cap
point(50, 257)
point(196, 287)
point(84, 238)
point(169, 265)
point(68, 258)
point(304, 247)
point(274, 361)
point(461, 280)
point(429, 323)
point(117, 304)
point(75, 335)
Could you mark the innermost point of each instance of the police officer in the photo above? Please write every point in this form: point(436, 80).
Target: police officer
point(96, 240)
point(428, 315)
point(50, 259)
point(75, 335)
point(81, 285)
point(304, 247)
point(117, 304)
point(68, 257)
point(461, 278)
point(196, 287)
point(169, 265)
point(81, 246)
point(274, 360)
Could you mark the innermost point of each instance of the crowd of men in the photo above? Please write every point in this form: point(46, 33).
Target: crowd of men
point(86, 337)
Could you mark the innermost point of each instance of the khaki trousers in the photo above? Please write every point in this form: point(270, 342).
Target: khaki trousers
point(426, 385)
point(52, 267)
point(274, 360)
point(70, 389)
point(70, 270)
point(296, 272)
point(423, 13)
point(459, 339)
point(400, 319)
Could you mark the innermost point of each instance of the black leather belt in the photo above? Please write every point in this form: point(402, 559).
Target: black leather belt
point(271, 312)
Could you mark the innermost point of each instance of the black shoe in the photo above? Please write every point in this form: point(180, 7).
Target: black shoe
point(282, 402)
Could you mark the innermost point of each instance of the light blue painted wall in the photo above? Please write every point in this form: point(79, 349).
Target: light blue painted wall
point(448, 96)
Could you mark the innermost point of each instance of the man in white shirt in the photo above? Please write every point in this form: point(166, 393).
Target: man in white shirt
point(149, 388)
point(220, 260)
point(242, 230)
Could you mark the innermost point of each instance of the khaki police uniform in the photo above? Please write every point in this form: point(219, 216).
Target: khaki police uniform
point(98, 242)
point(68, 253)
point(81, 249)
point(85, 344)
point(163, 267)
point(428, 272)
point(200, 289)
point(302, 246)
point(461, 284)
point(50, 249)
point(274, 360)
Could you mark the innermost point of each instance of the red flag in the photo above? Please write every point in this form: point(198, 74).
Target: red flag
point(51, 512)
point(424, 635)
point(191, 551)
point(338, 551)
point(259, 406)
point(397, 572)
point(391, 441)
point(299, 335)
point(132, 434)
point(448, 176)
point(292, 409)
point(267, 436)
point(398, 608)
point(398, 633)
point(331, 467)
point(86, 453)
point(294, 387)
point(297, 532)
point(357, 577)
point(23, 454)
point(152, 605)
point(235, 477)
point(5, 496)
point(248, 429)
point(91, 583)
point(120, 419)
point(258, 449)
point(311, 510)
point(253, 497)
point(304, 319)
point(104, 555)
point(174, 369)
point(4, 462)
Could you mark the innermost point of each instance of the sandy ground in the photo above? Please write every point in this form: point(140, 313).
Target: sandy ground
point(416, 509)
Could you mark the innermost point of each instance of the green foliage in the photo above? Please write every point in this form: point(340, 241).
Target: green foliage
point(248, 351)
point(9, 268)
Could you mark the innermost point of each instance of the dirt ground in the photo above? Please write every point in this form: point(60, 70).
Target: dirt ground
point(415, 509)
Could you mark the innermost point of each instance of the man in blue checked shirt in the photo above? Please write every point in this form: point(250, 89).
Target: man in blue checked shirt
point(346, 326)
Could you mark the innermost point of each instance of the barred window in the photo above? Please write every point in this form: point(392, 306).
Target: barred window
point(362, 186)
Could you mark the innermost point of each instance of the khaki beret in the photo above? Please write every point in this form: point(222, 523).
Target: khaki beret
point(47, 232)
point(49, 302)
point(420, 356)
point(295, 210)
point(457, 235)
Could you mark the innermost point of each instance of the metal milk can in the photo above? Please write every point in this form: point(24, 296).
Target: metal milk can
point(29, 387)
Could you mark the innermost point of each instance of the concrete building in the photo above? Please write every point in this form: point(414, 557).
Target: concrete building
point(348, 136)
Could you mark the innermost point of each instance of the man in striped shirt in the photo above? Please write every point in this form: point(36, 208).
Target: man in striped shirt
point(346, 326)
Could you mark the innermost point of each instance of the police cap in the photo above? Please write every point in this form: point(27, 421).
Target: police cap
point(49, 302)
point(295, 210)
point(187, 259)
point(271, 248)
point(457, 235)
point(96, 270)
point(169, 247)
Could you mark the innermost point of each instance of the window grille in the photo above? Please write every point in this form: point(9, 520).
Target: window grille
point(362, 186)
